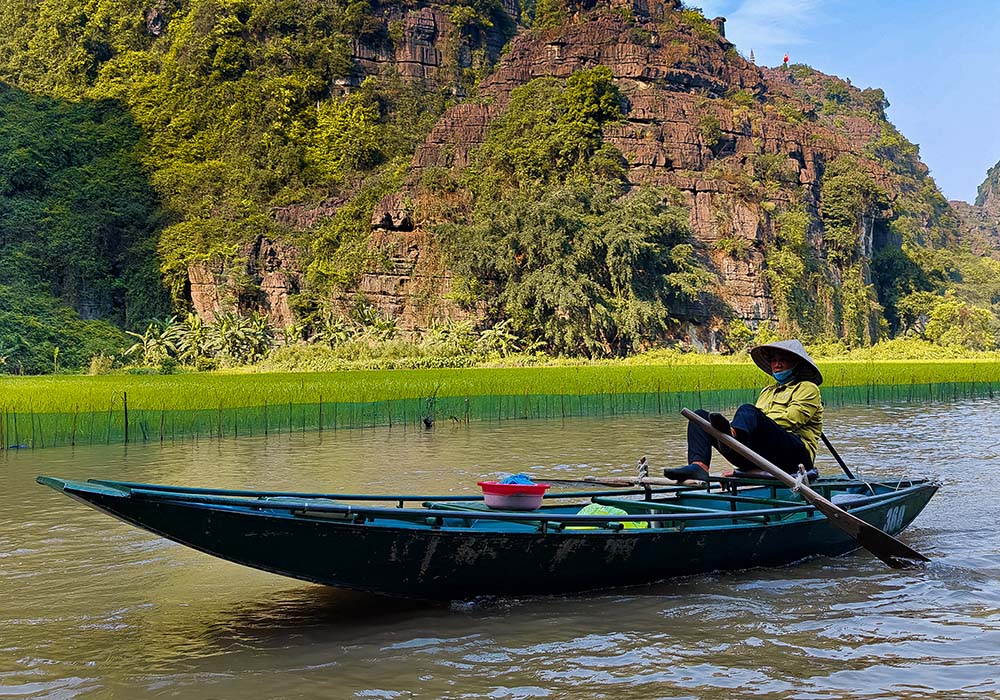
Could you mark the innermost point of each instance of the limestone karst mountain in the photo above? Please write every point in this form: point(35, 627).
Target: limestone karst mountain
point(980, 221)
point(747, 147)
point(603, 175)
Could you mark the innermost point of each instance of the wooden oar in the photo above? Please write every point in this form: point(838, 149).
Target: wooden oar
point(882, 545)
point(617, 481)
point(836, 455)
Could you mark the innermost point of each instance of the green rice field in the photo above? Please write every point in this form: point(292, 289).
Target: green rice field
point(64, 410)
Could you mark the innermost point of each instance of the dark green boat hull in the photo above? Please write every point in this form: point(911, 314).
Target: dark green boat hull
point(417, 560)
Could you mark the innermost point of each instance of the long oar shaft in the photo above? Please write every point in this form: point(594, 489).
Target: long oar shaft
point(836, 455)
point(618, 481)
point(882, 545)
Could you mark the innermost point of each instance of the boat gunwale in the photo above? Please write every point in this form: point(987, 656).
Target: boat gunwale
point(405, 498)
point(361, 513)
point(725, 482)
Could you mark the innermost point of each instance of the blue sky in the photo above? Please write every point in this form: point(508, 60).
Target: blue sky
point(938, 62)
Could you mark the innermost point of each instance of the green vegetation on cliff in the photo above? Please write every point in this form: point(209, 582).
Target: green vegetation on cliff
point(138, 138)
point(138, 135)
point(554, 241)
point(877, 255)
point(989, 190)
point(78, 219)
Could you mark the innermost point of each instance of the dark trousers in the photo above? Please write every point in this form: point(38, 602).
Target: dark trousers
point(756, 431)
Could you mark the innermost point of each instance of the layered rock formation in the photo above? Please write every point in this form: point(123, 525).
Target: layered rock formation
point(739, 142)
point(981, 221)
point(676, 78)
point(268, 275)
point(988, 196)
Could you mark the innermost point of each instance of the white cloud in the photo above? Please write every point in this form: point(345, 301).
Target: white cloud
point(767, 26)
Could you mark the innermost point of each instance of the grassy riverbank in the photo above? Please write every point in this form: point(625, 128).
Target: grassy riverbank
point(49, 411)
point(215, 390)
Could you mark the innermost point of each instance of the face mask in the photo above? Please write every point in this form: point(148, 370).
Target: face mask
point(784, 375)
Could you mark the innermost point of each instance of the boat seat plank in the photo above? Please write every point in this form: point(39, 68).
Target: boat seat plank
point(633, 507)
point(440, 505)
point(555, 525)
point(744, 499)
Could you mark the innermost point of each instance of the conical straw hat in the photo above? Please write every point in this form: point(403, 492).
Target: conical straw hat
point(807, 370)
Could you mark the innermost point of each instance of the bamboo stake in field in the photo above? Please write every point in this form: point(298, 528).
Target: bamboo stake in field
point(111, 407)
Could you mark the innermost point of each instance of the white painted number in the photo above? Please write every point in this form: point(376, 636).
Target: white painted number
point(894, 518)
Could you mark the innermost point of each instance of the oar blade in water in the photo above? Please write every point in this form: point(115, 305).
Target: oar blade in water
point(883, 545)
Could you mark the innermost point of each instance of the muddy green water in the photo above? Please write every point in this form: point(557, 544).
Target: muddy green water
point(92, 608)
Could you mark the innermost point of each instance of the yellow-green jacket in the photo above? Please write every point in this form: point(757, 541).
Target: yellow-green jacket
point(797, 407)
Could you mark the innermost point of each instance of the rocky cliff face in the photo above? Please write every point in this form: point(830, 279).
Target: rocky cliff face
point(676, 78)
point(981, 221)
point(698, 117)
point(419, 44)
point(268, 275)
point(988, 196)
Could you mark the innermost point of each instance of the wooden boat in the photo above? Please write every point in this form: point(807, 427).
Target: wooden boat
point(448, 547)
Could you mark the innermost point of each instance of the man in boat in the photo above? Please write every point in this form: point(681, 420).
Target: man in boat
point(784, 426)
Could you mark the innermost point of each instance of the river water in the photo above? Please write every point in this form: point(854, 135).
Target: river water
point(93, 608)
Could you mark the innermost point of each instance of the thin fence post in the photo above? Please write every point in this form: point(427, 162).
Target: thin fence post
point(72, 439)
point(125, 404)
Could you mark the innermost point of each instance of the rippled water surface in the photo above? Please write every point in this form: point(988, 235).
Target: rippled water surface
point(92, 608)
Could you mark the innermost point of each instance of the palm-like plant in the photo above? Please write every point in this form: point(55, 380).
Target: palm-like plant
point(238, 340)
point(498, 340)
point(192, 339)
point(156, 343)
point(455, 336)
point(331, 330)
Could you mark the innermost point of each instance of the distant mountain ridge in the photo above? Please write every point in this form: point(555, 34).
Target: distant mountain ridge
point(981, 220)
point(988, 194)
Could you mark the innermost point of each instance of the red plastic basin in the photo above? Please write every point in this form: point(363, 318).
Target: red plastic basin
point(513, 496)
